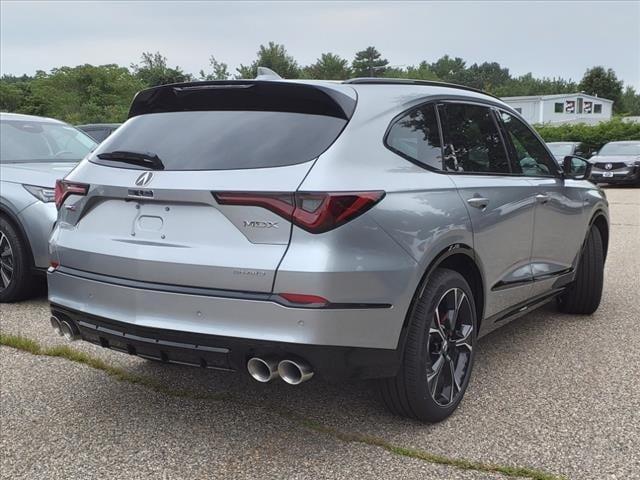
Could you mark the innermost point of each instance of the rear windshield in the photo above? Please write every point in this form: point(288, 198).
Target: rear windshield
point(224, 140)
point(29, 141)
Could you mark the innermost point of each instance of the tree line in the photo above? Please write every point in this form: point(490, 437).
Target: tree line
point(90, 93)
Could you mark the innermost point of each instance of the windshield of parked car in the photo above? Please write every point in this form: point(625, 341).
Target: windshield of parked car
point(560, 149)
point(620, 149)
point(32, 141)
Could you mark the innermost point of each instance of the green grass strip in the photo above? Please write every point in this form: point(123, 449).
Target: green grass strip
point(63, 351)
point(27, 345)
point(520, 472)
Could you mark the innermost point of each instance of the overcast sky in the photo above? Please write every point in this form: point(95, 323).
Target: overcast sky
point(545, 38)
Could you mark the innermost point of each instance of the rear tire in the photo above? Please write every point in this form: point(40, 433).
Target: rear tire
point(444, 313)
point(584, 294)
point(16, 279)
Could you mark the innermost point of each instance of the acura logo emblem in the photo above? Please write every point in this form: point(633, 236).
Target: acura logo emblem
point(608, 166)
point(144, 179)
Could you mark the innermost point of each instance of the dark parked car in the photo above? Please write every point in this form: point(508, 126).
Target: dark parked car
point(617, 162)
point(99, 131)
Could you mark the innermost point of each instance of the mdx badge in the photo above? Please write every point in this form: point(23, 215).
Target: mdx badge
point(259, 224)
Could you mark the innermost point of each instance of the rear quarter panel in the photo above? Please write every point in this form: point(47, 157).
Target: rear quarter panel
point(420, 216)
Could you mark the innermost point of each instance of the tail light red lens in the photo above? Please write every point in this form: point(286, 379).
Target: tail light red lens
point(314, 212)
point(319, 213)
point(65, 188)
point(279, 203)
point(304, 299)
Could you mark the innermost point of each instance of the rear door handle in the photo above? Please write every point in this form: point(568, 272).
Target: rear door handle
point(542, 198)
point(478, 202)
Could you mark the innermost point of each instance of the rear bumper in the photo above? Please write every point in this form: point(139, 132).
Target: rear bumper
point(227, 353)
point(225, 316)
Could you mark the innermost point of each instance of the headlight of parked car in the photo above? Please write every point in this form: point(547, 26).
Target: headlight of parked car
point(44, 194)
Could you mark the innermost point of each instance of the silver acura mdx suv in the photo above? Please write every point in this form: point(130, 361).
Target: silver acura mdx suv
point(369, 228)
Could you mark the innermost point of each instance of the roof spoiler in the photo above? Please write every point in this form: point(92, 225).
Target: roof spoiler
point(249, 95)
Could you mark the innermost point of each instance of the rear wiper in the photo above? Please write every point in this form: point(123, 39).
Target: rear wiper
point(148, 159)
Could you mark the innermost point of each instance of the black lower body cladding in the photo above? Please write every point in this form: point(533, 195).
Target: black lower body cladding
point(228, 353)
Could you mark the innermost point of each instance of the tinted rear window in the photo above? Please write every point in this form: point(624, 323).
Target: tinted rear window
point(224, 140)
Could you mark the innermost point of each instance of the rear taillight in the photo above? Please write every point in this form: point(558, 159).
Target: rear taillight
point(65, 188)
point(314, 212)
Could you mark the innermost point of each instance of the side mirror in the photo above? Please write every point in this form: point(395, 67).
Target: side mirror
point(576, 168)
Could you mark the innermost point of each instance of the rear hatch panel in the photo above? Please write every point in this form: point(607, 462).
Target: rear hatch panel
point(181, 236)
point(167, 227)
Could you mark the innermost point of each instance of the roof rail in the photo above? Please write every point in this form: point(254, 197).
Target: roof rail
point(409, 81)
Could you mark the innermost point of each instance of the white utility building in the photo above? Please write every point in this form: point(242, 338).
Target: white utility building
point(562, 108)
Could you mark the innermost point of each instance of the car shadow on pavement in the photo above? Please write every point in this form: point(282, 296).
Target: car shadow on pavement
point(355, 404)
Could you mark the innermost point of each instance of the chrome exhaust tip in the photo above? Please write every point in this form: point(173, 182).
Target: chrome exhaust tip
point(294, 372)
point(262, 369)
point(69, 331)
point(55, 324)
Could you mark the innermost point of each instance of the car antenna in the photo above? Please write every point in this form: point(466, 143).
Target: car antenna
point(265, 73)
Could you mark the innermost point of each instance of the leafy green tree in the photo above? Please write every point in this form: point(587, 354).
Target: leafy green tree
point(153, 70)
point(630, 102)
point(328, 67)
point(369, 63)
point(486, 76)
point(603, 83)
point(14, 92)
point(88, 93)
point(82, 94)
point(273, 56)
point(529, 85)
point(394, 72)
point(12, 95)
point(421, 72)
point(592, 136)
point(219, 70)
point(449, 69)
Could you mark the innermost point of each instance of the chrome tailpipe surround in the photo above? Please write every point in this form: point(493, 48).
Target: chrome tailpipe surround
point(65, 328)
point(263, 369)
point(56, 325)
point(294, 372)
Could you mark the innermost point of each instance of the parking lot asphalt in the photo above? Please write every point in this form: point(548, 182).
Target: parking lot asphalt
point(551, 394)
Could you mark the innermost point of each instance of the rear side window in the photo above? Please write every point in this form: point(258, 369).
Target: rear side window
point(416, 135)
point(531, 157)
point(225, 140)
point(472, 143)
